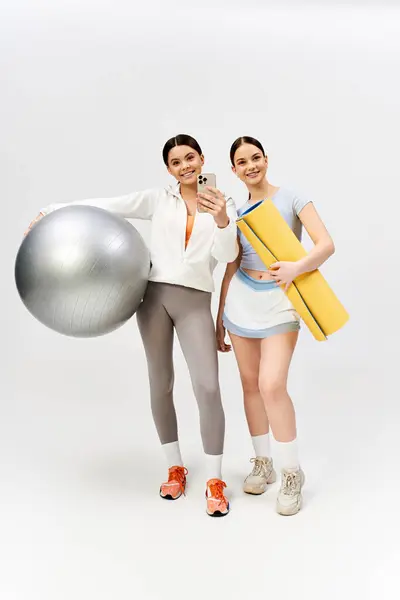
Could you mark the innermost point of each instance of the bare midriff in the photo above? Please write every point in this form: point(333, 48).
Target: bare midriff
point(261, 275)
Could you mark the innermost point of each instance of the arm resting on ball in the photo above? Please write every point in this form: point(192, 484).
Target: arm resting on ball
point(137, 205)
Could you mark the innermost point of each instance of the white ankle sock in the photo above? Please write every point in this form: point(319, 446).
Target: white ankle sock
point(288, 455)
point(262, 445)
point(173, 454)
point(213, 466)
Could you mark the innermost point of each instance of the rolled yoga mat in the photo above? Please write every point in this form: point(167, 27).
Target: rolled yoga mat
point(312, 298)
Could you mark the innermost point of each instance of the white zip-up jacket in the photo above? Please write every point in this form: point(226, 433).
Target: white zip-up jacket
point(171, 263)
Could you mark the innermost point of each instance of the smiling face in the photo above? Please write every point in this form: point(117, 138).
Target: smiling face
point(250, 165)
point(185, 164)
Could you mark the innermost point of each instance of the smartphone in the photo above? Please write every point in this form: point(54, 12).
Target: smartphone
point(205, 180)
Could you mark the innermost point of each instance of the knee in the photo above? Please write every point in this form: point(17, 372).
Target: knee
point(161, 384)
point(250, 383)
point(207, 391)
point(272, 389)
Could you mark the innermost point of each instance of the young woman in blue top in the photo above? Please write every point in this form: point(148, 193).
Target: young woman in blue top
point(263, 326)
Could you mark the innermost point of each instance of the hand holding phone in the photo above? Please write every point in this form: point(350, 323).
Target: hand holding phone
point(211, 200)
point(205, 180)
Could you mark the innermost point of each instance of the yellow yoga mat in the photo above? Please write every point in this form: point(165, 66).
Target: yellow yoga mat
point(312, 298)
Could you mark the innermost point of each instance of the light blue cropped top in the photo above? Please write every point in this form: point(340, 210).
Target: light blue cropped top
point(289, 205)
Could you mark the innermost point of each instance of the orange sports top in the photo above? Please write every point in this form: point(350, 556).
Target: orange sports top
point(189, 228)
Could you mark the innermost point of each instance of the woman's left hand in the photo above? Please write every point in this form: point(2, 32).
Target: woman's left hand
point(215, 204)
point(284, 273)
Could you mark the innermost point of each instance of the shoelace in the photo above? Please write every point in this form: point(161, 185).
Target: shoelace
point(259, 466)
point(178, 474)
point(290, 483)
point(217, 490)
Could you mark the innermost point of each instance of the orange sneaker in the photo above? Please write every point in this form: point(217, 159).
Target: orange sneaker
point(176, 484)
point(217, 503)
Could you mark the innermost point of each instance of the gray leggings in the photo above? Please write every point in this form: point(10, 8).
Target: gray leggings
point(164, 308)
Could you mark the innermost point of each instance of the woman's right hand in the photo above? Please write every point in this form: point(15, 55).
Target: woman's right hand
point(40, 215)
point(220, 332)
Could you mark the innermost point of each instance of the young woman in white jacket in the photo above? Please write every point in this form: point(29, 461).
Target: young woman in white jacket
point(186, 245)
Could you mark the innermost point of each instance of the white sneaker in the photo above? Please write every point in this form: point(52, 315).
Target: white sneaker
point(262, 474)
point(289, 497)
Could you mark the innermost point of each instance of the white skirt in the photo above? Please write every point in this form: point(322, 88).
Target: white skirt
point(257, 308)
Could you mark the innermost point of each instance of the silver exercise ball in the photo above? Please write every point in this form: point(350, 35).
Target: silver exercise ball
point(82, 271)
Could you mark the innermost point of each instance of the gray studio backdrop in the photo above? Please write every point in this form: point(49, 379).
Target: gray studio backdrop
point(90, 96)
point(90, 93)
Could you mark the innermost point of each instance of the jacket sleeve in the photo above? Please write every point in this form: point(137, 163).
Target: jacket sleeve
point(225, 247)
point(137, 205)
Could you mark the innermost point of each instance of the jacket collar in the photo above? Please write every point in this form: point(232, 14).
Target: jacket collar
point(175, 190)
